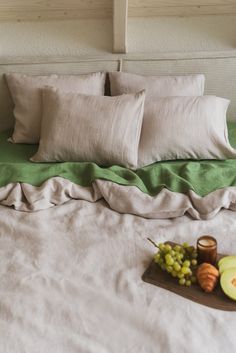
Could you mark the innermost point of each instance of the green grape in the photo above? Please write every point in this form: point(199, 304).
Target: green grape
point(168, 248)
point(157, 257)
point(177, 248)
point(186, 263)
point(177, 261)
point(190, 249)
point(169, 259)
point(177, 266)
point(182, 281)
point(180, 275)
point(185, 270)
point(179, 257)
point(185, 245)
point(170, 262)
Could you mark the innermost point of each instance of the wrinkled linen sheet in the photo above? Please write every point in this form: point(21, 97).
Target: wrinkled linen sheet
point(124, 199)
point(70, 282)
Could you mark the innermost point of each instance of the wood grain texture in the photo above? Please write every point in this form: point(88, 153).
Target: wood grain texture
point(120, 18)
point(216, 299)
point(182, 11)
point(169, 3)
point(36, 10)
point(154, 8)
point(20, 10)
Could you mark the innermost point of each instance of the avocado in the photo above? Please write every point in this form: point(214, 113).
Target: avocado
point(226, 263)
point(228, 282)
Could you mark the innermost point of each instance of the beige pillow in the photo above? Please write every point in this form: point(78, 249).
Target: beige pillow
point(100, 129)
point(157, 86)
point(26, 94)
point(185, 128)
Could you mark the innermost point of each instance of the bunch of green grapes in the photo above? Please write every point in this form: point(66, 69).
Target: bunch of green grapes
point(178, 260)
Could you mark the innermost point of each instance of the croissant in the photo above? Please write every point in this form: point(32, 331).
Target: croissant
point(207, 276)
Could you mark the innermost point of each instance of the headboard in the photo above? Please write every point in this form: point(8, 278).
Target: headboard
point(218, 67)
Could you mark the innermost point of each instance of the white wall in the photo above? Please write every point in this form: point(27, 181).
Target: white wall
point(177, 34)
point(92, 37)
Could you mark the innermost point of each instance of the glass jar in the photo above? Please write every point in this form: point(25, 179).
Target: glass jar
point(207, 249)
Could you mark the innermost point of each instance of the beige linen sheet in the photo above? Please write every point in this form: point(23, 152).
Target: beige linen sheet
point(124, 199)
point(70, 282)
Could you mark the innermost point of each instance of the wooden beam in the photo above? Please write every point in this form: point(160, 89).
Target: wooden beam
point(120, 15)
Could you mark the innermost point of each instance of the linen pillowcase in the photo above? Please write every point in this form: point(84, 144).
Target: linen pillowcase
point(100, 129)
point(157, 86)
point(26, 94)
point(185, 128)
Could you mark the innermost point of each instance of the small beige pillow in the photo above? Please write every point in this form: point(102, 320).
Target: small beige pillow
point(157, 86)
point(100, 129)
point(26, 94)
point(185, 128)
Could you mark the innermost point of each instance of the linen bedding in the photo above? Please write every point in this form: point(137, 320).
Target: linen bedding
point(70, 276)
point(161, 190)
point(70, 282)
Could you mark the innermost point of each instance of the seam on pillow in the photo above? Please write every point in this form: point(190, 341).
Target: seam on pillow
point(226, 133)
point(139, 126)
point(203, 80)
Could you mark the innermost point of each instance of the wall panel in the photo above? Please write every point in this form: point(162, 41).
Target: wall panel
point(154, 8)
point(20, 10)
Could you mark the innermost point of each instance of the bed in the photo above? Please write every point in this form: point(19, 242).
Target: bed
point(73, 235)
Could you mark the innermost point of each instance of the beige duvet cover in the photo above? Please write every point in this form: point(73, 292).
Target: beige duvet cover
point(70, 282)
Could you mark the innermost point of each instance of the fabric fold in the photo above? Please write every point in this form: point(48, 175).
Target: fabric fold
point(123, 199)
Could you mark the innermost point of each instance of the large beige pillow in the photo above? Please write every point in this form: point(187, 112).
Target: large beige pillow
point(26, 94)
point(155, 86)
point(100, 129)
point(185, 128)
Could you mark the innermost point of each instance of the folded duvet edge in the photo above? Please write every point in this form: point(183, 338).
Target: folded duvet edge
point(124, 199)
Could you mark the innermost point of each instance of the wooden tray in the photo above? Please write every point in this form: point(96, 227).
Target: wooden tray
point(216, 299)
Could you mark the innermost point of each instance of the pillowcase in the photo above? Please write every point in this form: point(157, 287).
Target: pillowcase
point(185, 127)
point(26, 94)
point(157, 86)
point(100, 129)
